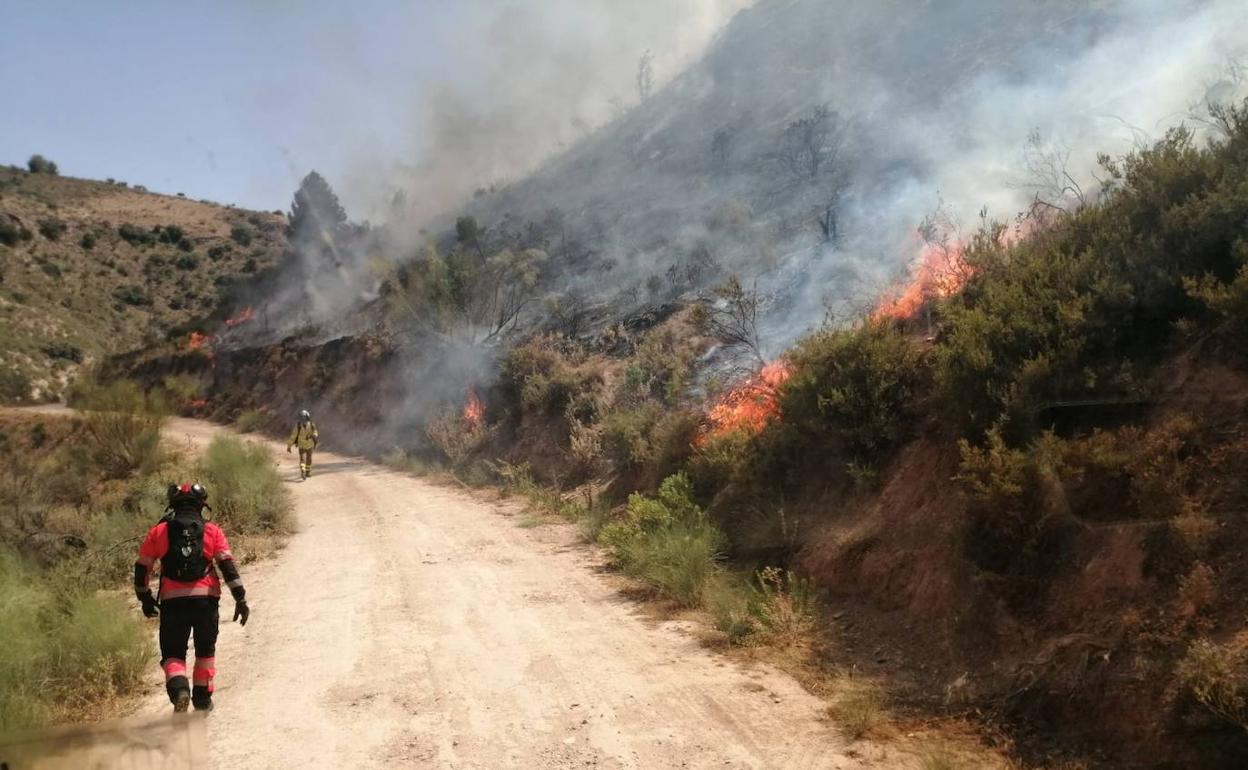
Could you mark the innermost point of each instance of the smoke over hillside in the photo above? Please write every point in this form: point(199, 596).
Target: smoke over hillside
point(529, 80)
point(801, 152)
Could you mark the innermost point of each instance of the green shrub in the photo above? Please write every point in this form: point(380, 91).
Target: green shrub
point(41, 165)
point(1002, 489)
point(132, 295)
point(65, 649)
point(170, 234)
point(667, 541)
point(242, 235)
point(121, 427)
point(856, 387)
point(628, 434)
point(1053, 316)
point(719, 461)
point(10, 231)
point(218, 252)
point(858, 709)
point(1216, 675)
point(775, 607)
point(14, 385)
point(454, 437)
point(52, 228)
point(399, 460)
point(250, 420)
point(63, 350)
point(88, 241)
point(245, 490)
point(1229, 301)
point(135, 235)
point(549, 381)
point(186, 262)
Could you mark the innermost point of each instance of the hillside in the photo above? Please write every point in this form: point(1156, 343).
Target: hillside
point(89, 269)
point(1011, 494)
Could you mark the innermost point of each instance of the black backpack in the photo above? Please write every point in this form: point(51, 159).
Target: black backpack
point(184, 561)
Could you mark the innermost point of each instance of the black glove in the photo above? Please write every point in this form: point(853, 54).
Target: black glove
point(288, 449)
point(150, 608)
point(241, 612)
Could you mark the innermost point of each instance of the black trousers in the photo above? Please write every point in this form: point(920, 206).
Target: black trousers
point(180, 620)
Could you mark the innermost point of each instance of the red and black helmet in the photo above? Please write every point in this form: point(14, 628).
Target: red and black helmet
point(188, 493)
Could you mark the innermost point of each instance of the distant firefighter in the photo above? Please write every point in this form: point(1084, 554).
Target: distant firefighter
point(305, 437)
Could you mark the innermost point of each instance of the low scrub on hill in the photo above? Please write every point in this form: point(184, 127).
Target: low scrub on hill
point(105, 269)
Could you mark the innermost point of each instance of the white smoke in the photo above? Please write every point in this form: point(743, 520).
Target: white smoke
point(531, 79)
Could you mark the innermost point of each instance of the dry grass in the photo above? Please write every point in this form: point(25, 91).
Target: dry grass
point(858, 708)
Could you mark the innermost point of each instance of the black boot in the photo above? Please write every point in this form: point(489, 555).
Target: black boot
point(201, 697)
point(179, 693)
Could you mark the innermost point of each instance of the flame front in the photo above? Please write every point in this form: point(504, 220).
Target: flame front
point(198, 340)
point(246, 315)
point(749, 406)
point(474, 411)
point(940, 271)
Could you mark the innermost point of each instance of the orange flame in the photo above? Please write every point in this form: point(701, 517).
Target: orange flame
point(198, 340)
point(474, 411)
point(246, 315)
point(749, 406)
point(940, 271)
point(196, 403)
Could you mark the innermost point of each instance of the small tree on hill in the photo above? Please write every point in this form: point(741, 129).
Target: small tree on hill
point(316, 211)
point(41, 165)
point(645, 76)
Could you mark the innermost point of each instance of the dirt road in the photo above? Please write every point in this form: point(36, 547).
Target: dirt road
point(406, 624)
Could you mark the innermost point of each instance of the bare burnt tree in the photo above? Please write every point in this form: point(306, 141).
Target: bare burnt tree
point(1054, 189)
point(645, 76)
point(568, 313)
point(810, 144)
point(829, 216)
point(733, 318)
point(721, 149)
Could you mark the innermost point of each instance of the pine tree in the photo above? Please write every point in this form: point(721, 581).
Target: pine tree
point(316, 212)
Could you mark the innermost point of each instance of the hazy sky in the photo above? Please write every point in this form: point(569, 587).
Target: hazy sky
point(230, 101)
point(235, 100)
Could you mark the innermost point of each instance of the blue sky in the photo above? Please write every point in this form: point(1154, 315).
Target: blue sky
point(232, 101)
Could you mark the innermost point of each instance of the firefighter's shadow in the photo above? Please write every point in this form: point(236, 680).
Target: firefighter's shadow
point(328, 469)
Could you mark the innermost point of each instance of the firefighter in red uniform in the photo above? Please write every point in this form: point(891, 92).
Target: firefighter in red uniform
point(190, 550)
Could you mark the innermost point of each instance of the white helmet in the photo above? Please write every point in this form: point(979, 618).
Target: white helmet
point(305, 415)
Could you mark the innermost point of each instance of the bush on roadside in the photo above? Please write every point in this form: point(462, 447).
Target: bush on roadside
point(121, 427)
point(244, 488)
point(775, 607)
point(454, 437)
point(856, 387)
point(250, 420)
point(667, 541)
point(66, 648)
